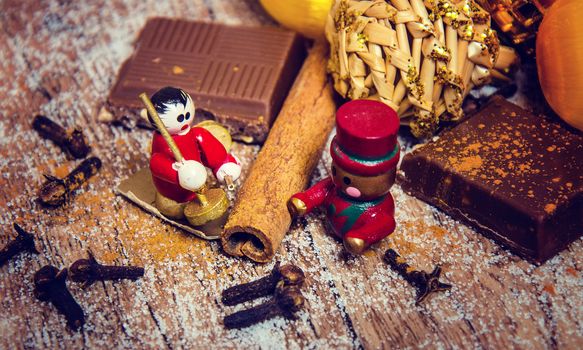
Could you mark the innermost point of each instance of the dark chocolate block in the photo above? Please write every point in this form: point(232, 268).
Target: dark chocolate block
point(514, 176)
point(240, 75)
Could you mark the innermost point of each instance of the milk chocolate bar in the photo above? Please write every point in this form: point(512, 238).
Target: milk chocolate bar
point(514, 176)
point(238, 75)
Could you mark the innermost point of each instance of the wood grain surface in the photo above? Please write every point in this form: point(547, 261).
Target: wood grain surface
point(59, 58)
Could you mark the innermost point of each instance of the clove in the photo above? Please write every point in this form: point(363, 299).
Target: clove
point(73, 143)
point(286, 301)
point(289, 275)
point(23, 242)
point(87, 271)
point(426, 283)
point(55, 191)
point(49, 285)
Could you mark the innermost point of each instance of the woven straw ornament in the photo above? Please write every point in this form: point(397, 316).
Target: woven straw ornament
point(420, 58)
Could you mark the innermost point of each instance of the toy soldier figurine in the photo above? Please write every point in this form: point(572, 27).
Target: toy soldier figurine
point(365, 153)
point(177, 182)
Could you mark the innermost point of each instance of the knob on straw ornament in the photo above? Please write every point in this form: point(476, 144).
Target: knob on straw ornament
point(365, 153)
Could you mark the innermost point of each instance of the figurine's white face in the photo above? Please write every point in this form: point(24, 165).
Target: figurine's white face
point(178, 119)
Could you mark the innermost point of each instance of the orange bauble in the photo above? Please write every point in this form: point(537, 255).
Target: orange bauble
point(559, 56)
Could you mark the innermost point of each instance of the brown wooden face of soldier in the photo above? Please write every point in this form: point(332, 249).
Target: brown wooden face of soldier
point(363, 187)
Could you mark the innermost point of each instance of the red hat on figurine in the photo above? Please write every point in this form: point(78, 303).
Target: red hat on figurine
point(366, 138)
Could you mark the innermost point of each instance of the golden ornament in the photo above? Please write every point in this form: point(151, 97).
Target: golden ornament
point(307, 17)
point(420, 58)
point(559, 58)
point(518, 20)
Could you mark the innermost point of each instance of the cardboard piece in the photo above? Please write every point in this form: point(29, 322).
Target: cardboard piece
point(140, 190)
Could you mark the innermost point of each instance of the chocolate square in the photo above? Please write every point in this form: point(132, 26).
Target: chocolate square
point(240, 75)
point(514, 176)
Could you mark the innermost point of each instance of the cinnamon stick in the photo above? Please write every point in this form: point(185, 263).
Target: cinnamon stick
point(260, 219)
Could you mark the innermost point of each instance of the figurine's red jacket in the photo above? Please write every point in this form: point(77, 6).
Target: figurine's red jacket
point(198, 144)
point(370, 221)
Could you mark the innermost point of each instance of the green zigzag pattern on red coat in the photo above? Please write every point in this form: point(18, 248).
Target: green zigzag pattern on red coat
point(353, 211)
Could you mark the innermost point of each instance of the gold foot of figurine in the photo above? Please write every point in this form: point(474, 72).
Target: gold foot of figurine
point(355, 245)
point(169, 207)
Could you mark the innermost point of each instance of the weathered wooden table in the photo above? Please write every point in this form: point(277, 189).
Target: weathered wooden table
point(60, 58)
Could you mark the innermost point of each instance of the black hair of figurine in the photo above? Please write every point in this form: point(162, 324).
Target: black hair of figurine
point(165, 97)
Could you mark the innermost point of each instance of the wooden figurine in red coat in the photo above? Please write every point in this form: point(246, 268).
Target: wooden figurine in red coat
point(365, 153)
point(176, 183)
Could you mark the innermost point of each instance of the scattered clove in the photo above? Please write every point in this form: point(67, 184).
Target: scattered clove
point(289, 275)
point(426, 283)
point(87, 271)
point(286, 301)
point(73, 143)
point(49, 285)
point(23, 242)
point(55, 191)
